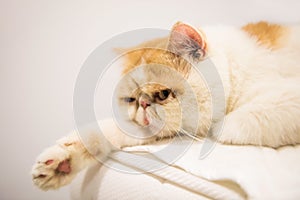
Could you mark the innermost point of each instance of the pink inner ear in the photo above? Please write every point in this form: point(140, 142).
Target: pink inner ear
point(188, 31)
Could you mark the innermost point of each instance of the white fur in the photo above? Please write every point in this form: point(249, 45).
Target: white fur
point(265, 85)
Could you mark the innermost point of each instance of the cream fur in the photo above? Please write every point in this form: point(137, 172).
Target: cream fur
point(261, 92)
point(265, 85)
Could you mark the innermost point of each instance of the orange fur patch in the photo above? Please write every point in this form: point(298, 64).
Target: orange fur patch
point(143, 53)
point(153, 52)
point(270, 35)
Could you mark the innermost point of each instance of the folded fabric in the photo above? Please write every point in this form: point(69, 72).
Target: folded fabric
point(260, 172)
point(226, 172)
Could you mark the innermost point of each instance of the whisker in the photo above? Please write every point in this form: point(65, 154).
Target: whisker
point(179, 136)
point(190, 135)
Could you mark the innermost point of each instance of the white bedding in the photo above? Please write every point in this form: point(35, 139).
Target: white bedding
point(228, 172)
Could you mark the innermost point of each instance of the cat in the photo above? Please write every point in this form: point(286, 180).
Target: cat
point(259, 68)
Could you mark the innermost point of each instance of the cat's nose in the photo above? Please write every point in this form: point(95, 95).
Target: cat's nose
point(144, 104)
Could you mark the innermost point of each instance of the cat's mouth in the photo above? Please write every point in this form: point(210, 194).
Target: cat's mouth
point(150, 120)
point(146, 119)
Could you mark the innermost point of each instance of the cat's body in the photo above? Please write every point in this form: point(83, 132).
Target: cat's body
point(259, 69)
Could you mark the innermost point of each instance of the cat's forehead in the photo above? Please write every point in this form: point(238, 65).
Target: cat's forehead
point(152, 87)
point(156, 74)
point(136, 87)
point(150, 78)
point(137, 57)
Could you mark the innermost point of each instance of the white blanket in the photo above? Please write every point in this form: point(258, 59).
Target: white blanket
point(228, 172)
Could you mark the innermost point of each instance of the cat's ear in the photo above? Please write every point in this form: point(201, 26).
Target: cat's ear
point(188, 42)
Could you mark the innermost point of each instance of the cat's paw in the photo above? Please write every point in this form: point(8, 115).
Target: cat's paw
point(228, 132)
point(236, 130)
point(53, 168)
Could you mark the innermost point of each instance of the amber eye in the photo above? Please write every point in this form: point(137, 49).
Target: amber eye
point(129, 99)
point(163, 94)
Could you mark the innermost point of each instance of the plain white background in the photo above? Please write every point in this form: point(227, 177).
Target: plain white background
point(43, 45)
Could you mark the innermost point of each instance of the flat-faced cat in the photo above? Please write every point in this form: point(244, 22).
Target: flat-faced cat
point(259, 68)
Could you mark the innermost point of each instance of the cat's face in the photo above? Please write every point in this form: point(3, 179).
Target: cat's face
point(154, 89)
point(150, 96)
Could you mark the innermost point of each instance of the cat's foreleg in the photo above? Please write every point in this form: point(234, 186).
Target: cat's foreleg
point(271, 121)
point(56, 166)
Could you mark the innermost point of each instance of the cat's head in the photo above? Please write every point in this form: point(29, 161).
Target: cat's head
point(155, 90)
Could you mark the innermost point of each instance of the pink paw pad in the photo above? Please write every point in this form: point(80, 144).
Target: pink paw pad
point(64, 167)
point(49, 162)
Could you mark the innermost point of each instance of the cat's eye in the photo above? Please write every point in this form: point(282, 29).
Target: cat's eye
point(163, 94)
point(129, 99)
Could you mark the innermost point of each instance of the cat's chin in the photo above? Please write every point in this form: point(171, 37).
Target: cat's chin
point(152, 128)
point(139, 130)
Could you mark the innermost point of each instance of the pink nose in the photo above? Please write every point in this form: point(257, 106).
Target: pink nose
point(145, 104)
